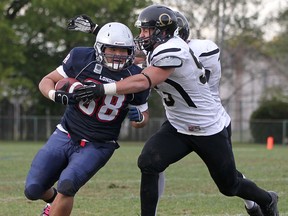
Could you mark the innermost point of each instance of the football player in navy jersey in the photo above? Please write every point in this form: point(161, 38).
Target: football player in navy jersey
point(194, 119)
point(87, 135)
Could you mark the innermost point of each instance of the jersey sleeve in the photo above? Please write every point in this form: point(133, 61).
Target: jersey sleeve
point(74, 61)
point(207, 52)
point(172, 53)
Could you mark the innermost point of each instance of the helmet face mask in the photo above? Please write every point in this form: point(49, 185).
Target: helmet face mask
point(115, 36)
point(147, 43)
point(113, 60)
point(162, 22)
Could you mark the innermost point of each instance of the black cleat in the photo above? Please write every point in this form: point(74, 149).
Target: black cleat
point(271, 209)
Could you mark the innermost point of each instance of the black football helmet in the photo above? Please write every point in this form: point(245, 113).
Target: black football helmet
point(183, 26)
point(160, 18)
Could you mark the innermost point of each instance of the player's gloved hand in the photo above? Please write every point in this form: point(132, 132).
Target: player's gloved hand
point(65, 98)
point(134, 114)
point(89, 92)
point(82, 23)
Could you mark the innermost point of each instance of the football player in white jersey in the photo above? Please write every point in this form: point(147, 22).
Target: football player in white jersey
point(208, 54)
point(194, 119)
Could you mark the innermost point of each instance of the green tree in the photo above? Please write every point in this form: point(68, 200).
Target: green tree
point(277, 48)
point(34, 40)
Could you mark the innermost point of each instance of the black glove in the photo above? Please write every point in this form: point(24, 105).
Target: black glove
point(82, 23)
point(89, 92)
point(65, 98)
point(134, 114)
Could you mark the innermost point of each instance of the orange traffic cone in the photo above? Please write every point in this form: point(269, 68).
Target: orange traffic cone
point(270, 142)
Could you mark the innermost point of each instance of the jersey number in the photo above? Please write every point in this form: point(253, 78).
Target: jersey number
point(169, 101)
point(104, 109)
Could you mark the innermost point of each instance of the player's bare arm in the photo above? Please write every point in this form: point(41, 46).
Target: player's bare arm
point(48, 82)
point(140, 82)
point(149, 78)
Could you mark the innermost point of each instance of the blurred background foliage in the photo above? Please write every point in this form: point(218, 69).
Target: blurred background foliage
point(34, 40)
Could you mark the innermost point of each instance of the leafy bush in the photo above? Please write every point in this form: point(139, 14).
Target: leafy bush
point(268, 120)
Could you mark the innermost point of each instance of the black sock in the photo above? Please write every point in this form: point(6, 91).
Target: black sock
point(53, 197)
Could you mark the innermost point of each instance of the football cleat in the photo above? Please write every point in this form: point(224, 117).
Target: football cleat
point(254, 211)
point(46, 210)
point(271, 209)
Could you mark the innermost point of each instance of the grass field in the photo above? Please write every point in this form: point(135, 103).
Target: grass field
point(114, 191)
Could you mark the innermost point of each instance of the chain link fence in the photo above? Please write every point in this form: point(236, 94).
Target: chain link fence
point(39, 128)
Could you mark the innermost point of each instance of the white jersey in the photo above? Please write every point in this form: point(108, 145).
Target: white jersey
point(187, 99)
point(208, 54)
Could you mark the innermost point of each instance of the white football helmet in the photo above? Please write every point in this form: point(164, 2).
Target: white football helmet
point(111, 35)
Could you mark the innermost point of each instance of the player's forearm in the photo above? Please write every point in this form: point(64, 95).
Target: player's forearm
point(149, 78)
point(45, 86)
point(129, 85)
point(135, 84)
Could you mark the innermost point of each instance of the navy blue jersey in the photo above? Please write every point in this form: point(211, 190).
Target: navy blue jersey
point(101, 119)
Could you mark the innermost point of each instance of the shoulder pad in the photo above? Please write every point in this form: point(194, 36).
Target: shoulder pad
point(169, 61)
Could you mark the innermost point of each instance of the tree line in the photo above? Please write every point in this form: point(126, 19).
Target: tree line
point(34, 40)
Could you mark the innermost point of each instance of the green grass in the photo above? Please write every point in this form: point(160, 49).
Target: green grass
point(114, 190)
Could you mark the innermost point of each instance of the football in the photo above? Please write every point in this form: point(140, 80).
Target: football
point(68, 85)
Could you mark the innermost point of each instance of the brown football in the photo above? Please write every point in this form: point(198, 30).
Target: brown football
point(68, 84)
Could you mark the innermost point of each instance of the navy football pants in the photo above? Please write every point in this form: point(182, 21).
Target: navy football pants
point(62, 160)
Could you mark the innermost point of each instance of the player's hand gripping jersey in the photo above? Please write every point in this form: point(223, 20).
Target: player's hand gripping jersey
point(100, 119)
point(189, 106)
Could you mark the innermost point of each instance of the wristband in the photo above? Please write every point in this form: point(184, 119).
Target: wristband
point(148, 78)
point(51, 94)
point(109, 88)
point(95, 29)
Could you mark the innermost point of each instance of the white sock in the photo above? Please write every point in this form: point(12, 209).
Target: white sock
point(161, 186)
point(249, 204)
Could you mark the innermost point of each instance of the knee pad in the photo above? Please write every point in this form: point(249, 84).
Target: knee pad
point(144, 162)
point(67, 188)
point(34, 192)
point(147, 164)
point(229, 190)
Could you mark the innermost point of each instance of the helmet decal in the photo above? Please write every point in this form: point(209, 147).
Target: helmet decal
point(180, 20)
point(164, 20)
